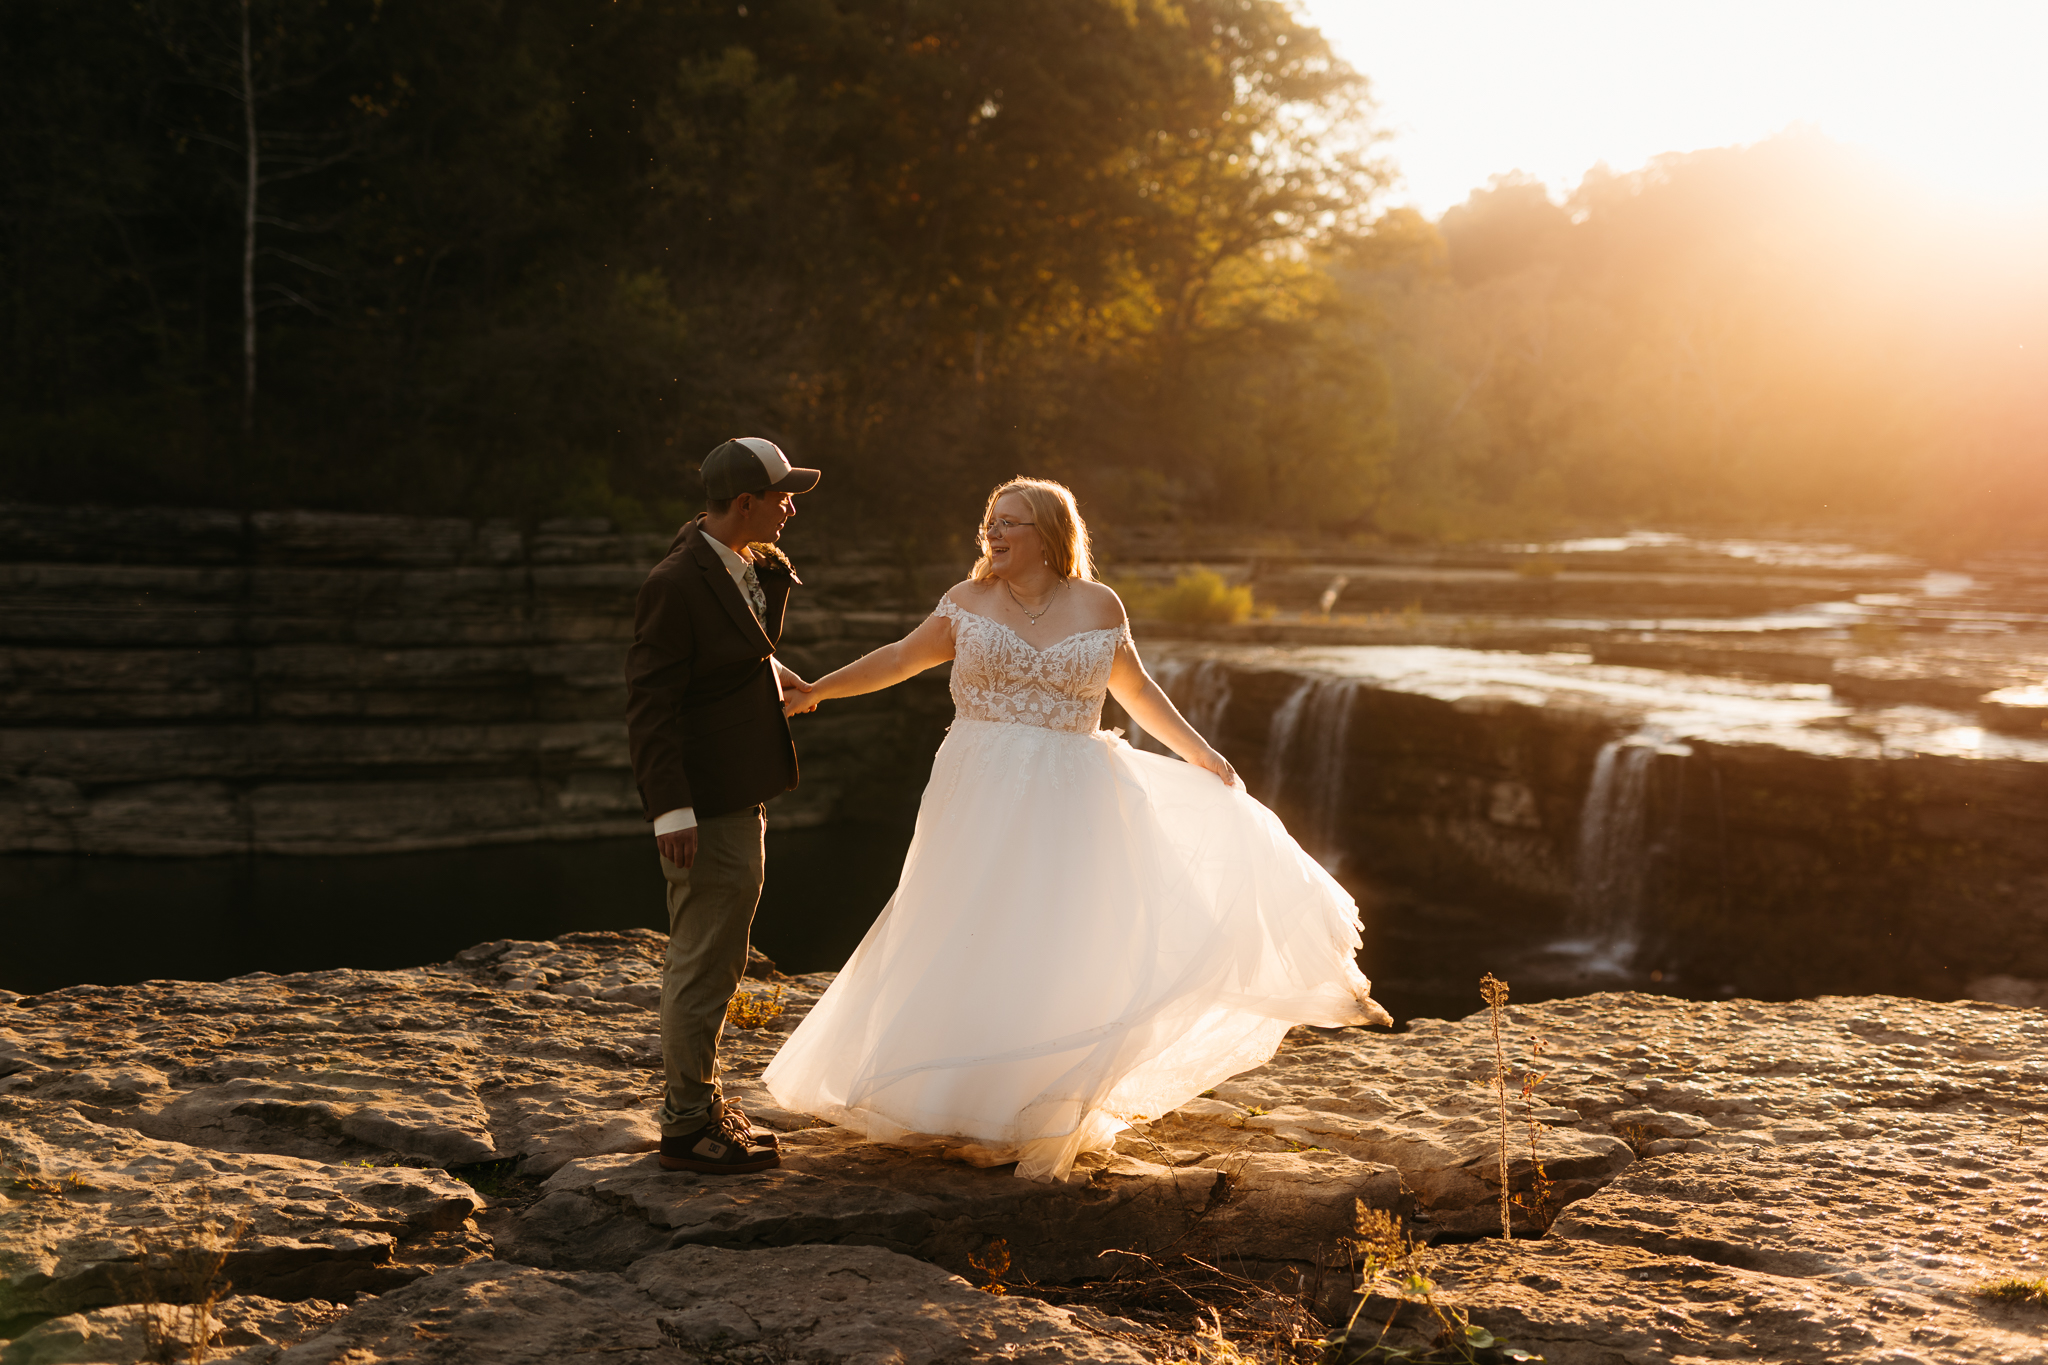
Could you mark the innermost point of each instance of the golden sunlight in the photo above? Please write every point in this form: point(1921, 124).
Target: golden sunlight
point(1947, 93)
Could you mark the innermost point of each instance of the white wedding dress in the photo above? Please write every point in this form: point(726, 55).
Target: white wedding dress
point(1085, 935)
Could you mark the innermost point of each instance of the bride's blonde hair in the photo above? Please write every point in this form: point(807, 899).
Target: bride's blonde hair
point(1056, 517)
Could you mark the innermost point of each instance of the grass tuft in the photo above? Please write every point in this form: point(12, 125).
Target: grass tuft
point(2011, 1289)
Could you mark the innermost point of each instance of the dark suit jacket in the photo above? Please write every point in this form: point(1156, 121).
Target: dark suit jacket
point(702, 712)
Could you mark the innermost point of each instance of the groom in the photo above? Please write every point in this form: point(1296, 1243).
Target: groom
point(710, 745)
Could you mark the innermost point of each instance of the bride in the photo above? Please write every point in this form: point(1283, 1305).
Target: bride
point(1085, 936)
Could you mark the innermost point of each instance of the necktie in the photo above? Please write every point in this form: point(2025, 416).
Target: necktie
point(756, 599)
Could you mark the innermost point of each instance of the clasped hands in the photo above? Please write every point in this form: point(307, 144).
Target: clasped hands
point(794, 700)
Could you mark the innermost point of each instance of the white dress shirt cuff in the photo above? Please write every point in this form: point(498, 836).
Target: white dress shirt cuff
point(669, 822)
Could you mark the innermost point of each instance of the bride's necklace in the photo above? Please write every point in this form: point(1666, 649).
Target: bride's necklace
point(1028, 616)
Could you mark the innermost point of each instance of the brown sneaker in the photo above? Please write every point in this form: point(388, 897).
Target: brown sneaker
point(737, 1122)
point(724, 1146)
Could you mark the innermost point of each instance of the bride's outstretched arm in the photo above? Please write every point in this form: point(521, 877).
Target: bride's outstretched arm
point(1135, 691)
point(930, 645)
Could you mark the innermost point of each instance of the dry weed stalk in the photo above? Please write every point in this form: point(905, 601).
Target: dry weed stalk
point(1202, 1311)
point(1494, 992)
point(181, 1278)
point(1537, 1202)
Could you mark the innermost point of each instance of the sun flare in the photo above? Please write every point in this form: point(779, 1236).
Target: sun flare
point(1949, 94)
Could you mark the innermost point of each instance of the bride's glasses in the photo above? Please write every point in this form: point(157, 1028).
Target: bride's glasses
point(1003, 524)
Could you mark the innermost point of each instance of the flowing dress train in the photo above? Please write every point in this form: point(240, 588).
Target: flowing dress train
point(1084, 936)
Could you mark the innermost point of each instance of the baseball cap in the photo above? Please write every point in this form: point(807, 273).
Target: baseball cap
point(748, 464)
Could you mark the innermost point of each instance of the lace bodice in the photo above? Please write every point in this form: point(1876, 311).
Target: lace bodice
point(998, 675)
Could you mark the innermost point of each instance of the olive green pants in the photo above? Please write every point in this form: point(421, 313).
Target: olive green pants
point(710, 908)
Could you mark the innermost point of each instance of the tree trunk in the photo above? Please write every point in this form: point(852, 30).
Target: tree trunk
point(252, 180)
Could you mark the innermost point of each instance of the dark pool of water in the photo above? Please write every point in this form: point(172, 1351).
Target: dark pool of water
point(112, 921)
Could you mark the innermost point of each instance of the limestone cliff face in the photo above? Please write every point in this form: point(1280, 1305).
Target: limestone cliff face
point(197, 682)
point(1780, 870)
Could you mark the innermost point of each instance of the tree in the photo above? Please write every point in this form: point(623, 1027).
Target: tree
point(555, 250)
point(253, 55)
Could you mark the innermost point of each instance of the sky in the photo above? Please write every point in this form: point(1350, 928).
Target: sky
point(1955, 94)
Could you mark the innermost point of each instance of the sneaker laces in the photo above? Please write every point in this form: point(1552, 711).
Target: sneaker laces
point(735, 1125)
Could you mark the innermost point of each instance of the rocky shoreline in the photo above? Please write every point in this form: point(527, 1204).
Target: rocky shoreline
point(452, 1163)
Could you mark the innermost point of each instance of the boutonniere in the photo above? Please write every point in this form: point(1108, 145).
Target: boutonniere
point(761, 552)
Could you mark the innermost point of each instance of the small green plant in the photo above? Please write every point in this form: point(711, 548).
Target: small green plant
point(754, 1009)
point(2012, 1289)
point(1395, 1264)
point(492, 1179)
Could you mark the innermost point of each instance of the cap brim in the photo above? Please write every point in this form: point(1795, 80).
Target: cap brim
point(795, 481)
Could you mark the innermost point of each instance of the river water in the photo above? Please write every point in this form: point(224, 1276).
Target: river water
point(112, 921)
point(116, 920)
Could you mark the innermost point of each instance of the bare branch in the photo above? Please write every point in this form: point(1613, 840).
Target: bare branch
point(300, 261)
point(292, 297)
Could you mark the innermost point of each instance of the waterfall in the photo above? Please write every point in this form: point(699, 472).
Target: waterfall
point(1307, 748)
point(1199, 690)
point(1617, 847)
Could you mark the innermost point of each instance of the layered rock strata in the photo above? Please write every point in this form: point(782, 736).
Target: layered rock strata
point(199, 683)
point(1822, 1179)
point(1759, 860)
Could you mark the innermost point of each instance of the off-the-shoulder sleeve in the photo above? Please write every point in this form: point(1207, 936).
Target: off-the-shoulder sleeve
point(949, 609)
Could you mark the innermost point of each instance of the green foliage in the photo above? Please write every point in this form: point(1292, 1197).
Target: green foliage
point(1197, 598)
point(535, 257)
point(529, 258)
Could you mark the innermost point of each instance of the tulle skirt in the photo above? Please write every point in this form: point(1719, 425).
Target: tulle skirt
point(1084, 936)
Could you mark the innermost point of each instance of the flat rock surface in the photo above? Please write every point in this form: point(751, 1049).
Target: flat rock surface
point(1587, 1303)
point(1877, 1156)
point(831, 1187)
point(241, 1330)
point(814, 1303)
point(98, 1215)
